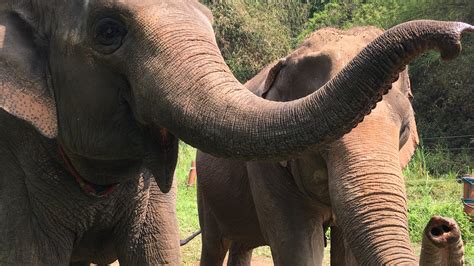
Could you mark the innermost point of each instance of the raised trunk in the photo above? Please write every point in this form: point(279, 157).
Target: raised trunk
point(368, 193)
point(201, 102)
point(442, 243)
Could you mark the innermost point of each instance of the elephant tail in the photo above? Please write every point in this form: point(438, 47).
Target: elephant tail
point(191, 237)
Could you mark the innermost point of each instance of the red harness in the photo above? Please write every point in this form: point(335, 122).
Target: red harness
point(89, 188)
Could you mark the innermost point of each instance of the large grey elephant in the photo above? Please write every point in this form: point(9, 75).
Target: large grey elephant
point(353, 184)
point(95, 93)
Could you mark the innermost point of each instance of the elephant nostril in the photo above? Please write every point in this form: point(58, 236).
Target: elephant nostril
point(436, 231)
point(446, 228)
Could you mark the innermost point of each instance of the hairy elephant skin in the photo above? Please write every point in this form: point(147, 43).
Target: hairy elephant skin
point(354, 184)
point(94, 95)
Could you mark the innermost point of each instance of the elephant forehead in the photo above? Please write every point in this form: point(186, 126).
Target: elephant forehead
point(78, 13)
point(340, 46)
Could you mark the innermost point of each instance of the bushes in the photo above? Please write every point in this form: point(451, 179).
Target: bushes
point(249, 37)
point(435, 194)
point(347, 14)
point(252, 35)
point(443, 91)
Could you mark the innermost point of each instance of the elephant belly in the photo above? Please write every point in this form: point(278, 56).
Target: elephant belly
point(310, 175)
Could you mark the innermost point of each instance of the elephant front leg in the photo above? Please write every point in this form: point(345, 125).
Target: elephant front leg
point(340, 251)
point(290, 223)
point(214, 246)
point(150, 236)
point(239, 255)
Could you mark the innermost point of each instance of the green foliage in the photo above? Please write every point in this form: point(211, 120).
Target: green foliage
point(435, 194)
point(252, 35)
point(443, 91)
point(439, 161)
point(187, 205)
point(347, 14)
point(242, 32)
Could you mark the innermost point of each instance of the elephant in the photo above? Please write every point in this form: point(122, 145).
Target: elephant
point(353, 185)
point(94, 95)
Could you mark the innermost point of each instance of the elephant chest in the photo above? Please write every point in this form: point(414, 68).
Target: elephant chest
point(310, 175)
point(96, 245)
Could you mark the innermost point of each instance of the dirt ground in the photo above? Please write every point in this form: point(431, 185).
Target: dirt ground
point(256, 261)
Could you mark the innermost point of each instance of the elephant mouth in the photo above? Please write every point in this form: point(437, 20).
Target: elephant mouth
point(89, 188)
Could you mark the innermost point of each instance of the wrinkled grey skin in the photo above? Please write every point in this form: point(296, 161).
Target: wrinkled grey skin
point(113, 84)
point(354, 185)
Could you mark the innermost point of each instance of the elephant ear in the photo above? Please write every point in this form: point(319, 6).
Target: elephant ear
point(408, 149)
point(271, 77)
point(204, 10)
point(296, 76)
point(412, 141)
point(23, 81)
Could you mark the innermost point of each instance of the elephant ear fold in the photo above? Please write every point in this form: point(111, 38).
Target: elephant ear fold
point(406, 84)
point(297, 76)
point(204, 10)
point(271, 77)
point(23, 81)
point(408, 149)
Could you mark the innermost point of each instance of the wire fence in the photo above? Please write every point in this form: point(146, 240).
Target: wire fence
point(433, 139)
point(448, 137)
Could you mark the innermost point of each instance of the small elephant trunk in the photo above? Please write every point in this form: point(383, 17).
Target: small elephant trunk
point(368, 195)
point(442, 243)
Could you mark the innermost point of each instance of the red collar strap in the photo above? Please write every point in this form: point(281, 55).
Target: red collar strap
point(89, 188)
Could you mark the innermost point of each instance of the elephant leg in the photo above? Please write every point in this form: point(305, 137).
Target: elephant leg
point(214, 246)
point(80, 263)
point(239, 255)
point(291, 224)
point(150, 236)
point(340, 252)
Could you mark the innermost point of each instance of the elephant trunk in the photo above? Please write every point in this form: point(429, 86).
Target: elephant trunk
point(442, 243)
point(180, 81)
point(368, 195)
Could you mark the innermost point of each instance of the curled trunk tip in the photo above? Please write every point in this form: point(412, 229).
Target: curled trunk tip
point(442, 231)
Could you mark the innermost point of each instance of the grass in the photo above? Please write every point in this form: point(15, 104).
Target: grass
point(187, 205)
point(436, 194)
point(428, 194)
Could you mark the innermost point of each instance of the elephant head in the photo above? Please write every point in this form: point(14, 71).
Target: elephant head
point(116, 82)
point(366, 188)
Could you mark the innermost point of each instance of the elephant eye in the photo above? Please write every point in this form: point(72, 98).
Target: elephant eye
point(109, 34)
